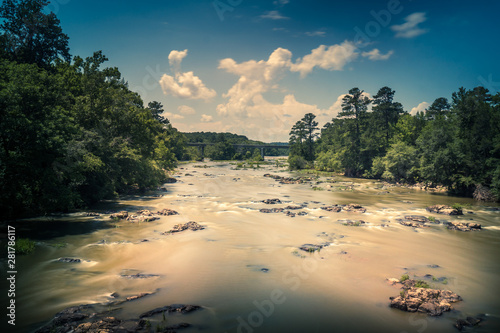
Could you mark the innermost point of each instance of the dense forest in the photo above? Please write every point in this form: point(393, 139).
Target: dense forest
point(71, 132)
point(454, 144)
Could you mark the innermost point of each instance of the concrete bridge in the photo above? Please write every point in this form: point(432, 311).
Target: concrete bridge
point(238, 146)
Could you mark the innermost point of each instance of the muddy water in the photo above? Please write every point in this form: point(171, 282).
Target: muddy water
point(245, 268)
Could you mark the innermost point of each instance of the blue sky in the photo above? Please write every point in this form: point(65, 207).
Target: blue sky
point(256, 67)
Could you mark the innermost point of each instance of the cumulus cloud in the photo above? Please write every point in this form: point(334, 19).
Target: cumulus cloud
point(205, 118)
point(175, 59)
point(410, 28)
point(419, 108)
point(273, 15)
point(331, 58)
point(175, 116)
point(376, 55)
point(184, 85)
point(187, 110)
point(247, 111)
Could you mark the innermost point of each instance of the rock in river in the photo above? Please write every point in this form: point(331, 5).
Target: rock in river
point(444, 209)
point(463, 226)
point(167, 212)
point(120, 215)
point(272, 201)
point(194, 226)
point(430, 301)
point(272, 210)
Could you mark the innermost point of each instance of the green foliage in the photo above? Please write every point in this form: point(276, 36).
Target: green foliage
point(402, 294)
point(30, 35)
point(297, 163)
point(404, 277)
point(457, 206)
point(328, 161)
point(73, 135)
point(399, 163)
point(24, 246)
point(432, 218)
point(303, 136)
point(421, 284)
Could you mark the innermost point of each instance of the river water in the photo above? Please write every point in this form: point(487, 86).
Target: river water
point(245, 268)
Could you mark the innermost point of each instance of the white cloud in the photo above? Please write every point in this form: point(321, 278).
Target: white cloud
point(184, 85)
point(170, 115)
point(187, 110)
point(205, 118)
point(247, 111)
point(317, 33)
point(333, 57)
point(376, 55)
point(419, 108)
point(410, 28)
point(273, 15)
point(256, 77)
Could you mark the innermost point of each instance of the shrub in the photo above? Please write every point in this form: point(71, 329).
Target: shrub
point(404, 277)
point(421, 284)
point(297, 162)
point(24, 246)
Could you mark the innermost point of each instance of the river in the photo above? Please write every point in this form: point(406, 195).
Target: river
point(245, 268)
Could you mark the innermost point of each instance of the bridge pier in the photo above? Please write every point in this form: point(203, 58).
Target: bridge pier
point(262, 154)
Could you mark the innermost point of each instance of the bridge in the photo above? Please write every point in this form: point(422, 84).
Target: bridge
point(238, 146)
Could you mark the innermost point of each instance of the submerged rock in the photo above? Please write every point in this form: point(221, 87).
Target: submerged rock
point(334, 208)
point(293, 207)
point(463, 226)
point(84, 319)
point(352, 223)
point(468, 322)
point(444, 209)
point(69, 260)
point(180, 308)
point(354, 208)
point(312, 247)
point(139, 276)
point(271, 210)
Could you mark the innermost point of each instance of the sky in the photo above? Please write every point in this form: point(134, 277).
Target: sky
point(257, 67)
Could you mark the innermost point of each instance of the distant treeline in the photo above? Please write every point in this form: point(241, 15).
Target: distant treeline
point(223, 148)
point(454, 144)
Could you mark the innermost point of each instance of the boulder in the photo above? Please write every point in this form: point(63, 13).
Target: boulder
point(194, 226)
point(463, 226)
point(272, 201)
point(312, 247)
point(444, 209)
point(120, 215)
point(289, 213)
point(426, 300)
point(167, 212)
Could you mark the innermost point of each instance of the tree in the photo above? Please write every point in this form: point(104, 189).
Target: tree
point(439, 108)
point(303, 136)
point(31, 36)
point(156, 109)
point(387, 110)
point(354, 110)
